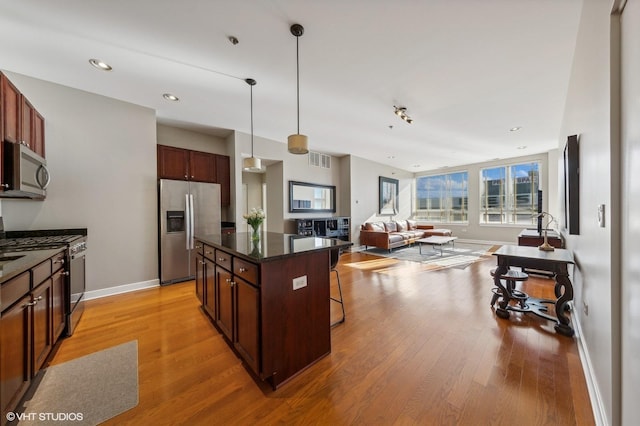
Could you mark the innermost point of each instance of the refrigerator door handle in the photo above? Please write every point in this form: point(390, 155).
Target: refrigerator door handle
point(187, 208)
point(191, 221)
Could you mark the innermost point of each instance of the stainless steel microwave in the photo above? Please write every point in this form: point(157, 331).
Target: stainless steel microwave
point(24, 174)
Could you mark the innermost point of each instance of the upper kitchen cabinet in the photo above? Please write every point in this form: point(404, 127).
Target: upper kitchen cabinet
point(202, 166)
point(173, 163)
point(21, 122)
point(32, 127)
point(223, 172)
point(184, 164)
point(10, 110)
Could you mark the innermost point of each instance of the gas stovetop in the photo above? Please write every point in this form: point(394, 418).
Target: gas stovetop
point(38, 242)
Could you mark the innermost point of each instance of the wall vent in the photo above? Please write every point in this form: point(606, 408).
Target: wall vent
point(319, 160)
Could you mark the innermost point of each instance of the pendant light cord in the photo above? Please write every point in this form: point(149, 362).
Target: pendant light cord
point(298, 80)
point(251, 121)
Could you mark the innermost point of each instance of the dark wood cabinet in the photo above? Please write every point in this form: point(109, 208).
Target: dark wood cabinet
point(21, 122)
point(247, 336)
point(275, 324)
point(200, 278)
point(10, 110)
point(42, 303)
point(31, 322)
point(197, 166)
point(223, 177)
point(202, 167)
point(15, 345)
point(224, 315)
point(173, 163)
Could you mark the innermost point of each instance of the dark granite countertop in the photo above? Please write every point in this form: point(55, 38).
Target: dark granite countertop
point(25, 261)
point(271, 246)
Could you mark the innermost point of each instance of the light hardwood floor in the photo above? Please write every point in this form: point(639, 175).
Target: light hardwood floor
point(417, 347)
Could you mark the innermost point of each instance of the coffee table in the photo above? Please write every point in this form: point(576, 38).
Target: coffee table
point(436, 240)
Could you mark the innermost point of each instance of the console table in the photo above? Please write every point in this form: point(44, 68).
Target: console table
point(557, 262)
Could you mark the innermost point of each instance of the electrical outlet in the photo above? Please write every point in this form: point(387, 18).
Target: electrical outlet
point(299, 282)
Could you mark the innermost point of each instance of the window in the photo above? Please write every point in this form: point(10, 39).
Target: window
point(509, 194)
point(442, 198)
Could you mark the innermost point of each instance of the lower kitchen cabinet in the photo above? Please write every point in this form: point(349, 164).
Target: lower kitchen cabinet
point(224, 317)
point(15, 350)
point(42, 303)
point(247, 338)
point(31, 322)
point(272, 307)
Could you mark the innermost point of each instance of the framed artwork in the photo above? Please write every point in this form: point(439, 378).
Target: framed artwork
point(388, 190)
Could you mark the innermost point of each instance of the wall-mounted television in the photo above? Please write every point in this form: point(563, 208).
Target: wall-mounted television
point(572, 186)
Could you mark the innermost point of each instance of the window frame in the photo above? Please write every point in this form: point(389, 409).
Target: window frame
point(509, 211)
point(446, 204)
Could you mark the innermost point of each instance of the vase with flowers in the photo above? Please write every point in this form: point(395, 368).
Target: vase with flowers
point(255, 218)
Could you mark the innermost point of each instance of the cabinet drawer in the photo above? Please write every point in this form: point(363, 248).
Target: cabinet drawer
point(207, 251)
point(246, 270)
point(41, 272)
point(57, 262)
point(14, 289)
point(198, 247)
point(223, 259)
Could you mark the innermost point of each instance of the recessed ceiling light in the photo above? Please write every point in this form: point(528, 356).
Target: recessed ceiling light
point(416, 165)
point(170, 97)
point(515, 129)
point(100, 64)
point(522, 147)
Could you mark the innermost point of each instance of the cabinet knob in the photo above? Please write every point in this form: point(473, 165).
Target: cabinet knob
point(4, 185)
point(221, 259)
point(243, 270)
point(186, 177)
point(64, 273)
point(208, 252)
point(197, 246)
point(203, 263)
point(26, 305)
point(60, 261)
point(232, 283)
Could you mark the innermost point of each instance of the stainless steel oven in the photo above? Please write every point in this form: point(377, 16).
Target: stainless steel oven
point(75, 242)
point(77, 282)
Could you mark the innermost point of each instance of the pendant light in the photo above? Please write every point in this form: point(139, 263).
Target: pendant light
point(252, 163)
point(298, 144)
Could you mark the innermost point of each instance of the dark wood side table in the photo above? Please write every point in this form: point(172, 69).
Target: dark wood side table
point(530, 237)
point(556, 262)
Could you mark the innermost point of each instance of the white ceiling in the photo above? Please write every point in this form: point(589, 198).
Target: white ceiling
point(467, 70)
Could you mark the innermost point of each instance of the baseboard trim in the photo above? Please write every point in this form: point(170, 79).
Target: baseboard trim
point(126, 288)
point(595, 397)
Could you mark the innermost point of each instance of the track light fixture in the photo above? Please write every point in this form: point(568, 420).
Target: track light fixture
point(297, 143)
point(252, 163)
point(402, 113)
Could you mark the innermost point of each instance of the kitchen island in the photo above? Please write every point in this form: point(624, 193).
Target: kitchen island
point(269, 298)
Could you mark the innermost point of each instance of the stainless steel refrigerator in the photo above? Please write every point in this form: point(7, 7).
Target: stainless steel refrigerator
point(186, 209)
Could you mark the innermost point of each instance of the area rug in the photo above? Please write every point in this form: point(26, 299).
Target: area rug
point(86, 390)
point(457, 256)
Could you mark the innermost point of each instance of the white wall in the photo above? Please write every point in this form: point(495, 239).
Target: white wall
point(588, 114)
point(365, 200)
point(630, 297)
point(102, 157)
point(364, 203)
point(182, 138)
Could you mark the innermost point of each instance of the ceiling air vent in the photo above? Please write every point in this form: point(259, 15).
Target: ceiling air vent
point(319, 160)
